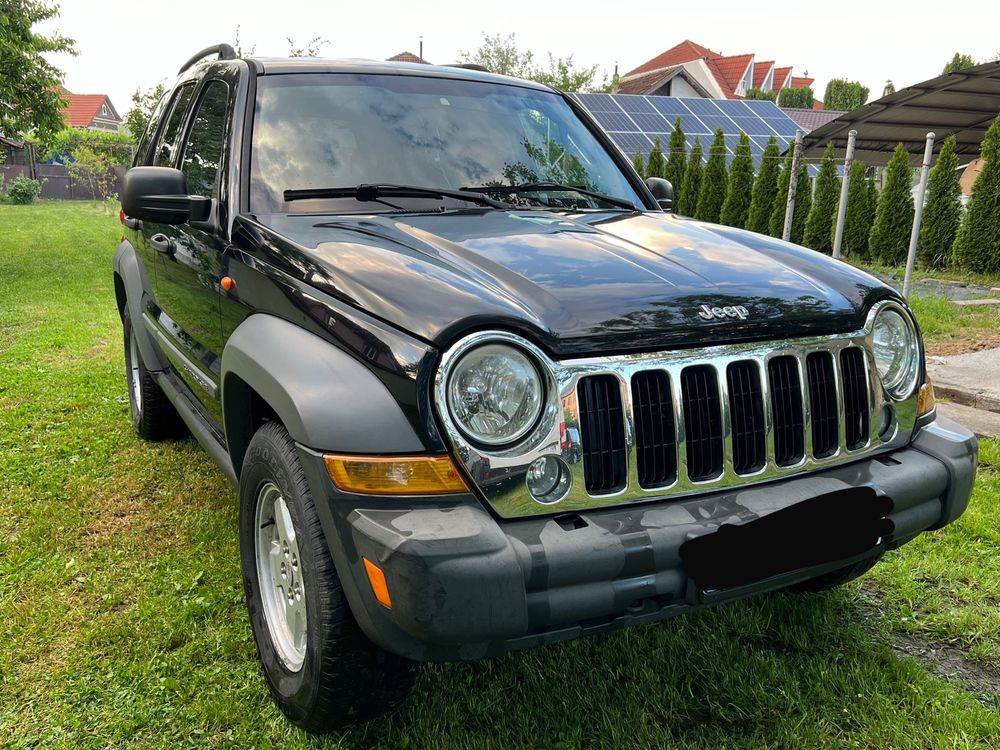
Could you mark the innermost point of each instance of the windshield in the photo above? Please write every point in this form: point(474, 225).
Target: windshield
point(341, 130)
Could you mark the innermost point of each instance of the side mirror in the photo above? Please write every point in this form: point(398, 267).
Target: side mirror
point(159, 194)
point(663, 191)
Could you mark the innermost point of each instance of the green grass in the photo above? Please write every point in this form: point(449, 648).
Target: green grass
point(121, 606)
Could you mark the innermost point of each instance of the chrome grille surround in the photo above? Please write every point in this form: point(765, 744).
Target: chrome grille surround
point(500, 474)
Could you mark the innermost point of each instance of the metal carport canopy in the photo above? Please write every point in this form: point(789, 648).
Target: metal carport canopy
point(963, 103)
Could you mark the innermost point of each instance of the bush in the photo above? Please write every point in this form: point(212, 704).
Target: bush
point(890, 235)
point(759, 94)
point(23, 190)
point(844, 95)
point(801, 98)
point(943, 210)
point(713, 183)
point(92, 169)
point(822, 217)
point(676, 158)
point(803, 204)
point(639, 165)
point(776, 222)
point(977, 247)
point(861, 201)
point(691, 185)
point(739, 187)
point(117, 147)
point(764, 189)
point(656, 166)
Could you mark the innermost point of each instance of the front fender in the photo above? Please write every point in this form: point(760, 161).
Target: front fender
point(326, 399)
point(137, 288)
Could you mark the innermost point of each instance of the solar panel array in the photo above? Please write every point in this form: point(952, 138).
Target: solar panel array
point(634, 122)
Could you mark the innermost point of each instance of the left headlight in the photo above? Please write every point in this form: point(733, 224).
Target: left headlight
point(897, 353)
point(495, 394)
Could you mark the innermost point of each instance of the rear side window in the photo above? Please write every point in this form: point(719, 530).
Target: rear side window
point(206, 141)
point(168, 138)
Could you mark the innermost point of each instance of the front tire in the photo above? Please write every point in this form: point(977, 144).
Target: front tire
point(153, 416)
point(320, 668)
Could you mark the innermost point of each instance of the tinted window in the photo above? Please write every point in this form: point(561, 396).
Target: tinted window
point(168, 138)
point(341, 130)
point(206, 141)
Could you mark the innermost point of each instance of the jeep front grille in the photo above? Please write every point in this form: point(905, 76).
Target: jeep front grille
point(786, 410)
point(602, 434)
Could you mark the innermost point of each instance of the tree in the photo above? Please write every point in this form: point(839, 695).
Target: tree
point(691, 184)
point(499, 54)
point(29, 98)
point(943, 210)
point(800, 98)
point(655, 164)
point(977, 246)
point(563, 75)
point(676, 158)
point(822, 216)
point(311, 48)
point(890, 235)
point(93, 169)
point(861, 201)
point(764, 189)
point(959, 61)
point(143, 104)
point(739, 186)
point(803, 204)
point(713, 183)
point(637, 162)
point(755, 93)
point(117, 147)
point(776, 221)
point(844, 95)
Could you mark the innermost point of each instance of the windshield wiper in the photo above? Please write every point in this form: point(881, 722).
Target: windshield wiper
point(532, 187)
point(366, 193)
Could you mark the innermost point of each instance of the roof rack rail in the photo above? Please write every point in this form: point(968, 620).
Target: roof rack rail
point(224, 52)
point(469, 66)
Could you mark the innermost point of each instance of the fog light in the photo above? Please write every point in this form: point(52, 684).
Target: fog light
point(886, 419)
point(547, 480)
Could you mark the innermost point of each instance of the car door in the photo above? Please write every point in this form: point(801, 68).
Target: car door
point(189, 260)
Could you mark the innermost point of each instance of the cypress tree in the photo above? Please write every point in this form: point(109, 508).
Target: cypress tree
point(943, 210)
point(823, 215)
point(803, 203)
point(764, 189)
point(691, 184)
point(776, 222)
point(860, 213)
point(977, 246)
point(713, 184)
point(639, 165)
point(655, 165)
point(736, 207)
point(676, 158)
point(890, 235)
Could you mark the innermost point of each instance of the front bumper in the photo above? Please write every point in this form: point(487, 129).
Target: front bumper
point(465, 586)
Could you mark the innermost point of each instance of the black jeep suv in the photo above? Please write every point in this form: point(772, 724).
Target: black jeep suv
point(479, 391)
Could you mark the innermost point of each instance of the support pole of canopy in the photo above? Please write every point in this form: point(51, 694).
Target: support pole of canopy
point(838, 236)
point(918, 214)
point(793, 183)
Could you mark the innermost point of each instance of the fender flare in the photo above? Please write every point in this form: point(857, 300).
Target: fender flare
point(135, 287)
point(326, 399)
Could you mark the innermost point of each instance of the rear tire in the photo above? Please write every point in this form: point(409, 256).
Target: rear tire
point(320, 668)
point(837, 577)
point(153, 416)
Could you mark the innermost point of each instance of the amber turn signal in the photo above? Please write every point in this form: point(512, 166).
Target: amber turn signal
point(377, 579)
point(395, 475)
point(227, 283)
point(925, 399)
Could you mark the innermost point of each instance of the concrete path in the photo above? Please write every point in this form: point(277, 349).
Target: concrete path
point(983, 423)
point(969, 379)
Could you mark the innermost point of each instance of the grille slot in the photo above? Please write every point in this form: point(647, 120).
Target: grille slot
point(856, 411)
point(746, 414)
point(786, 410)
point(602, 433)
point(655, 432)
point(702, 422)
point(823, 402)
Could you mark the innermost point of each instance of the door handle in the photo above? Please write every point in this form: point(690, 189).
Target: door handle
point(162, 244)
point(131, 223)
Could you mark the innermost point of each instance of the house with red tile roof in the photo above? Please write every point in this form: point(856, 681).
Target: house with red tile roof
point(407, 57)
point(92, 111)
point(689, 69)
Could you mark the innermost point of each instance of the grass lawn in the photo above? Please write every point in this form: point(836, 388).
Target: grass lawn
point(121, 606)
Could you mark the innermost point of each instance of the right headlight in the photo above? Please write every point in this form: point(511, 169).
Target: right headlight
point(495, 394)
point(897, 353)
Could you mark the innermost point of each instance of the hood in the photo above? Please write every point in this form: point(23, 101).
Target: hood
point(576, 284)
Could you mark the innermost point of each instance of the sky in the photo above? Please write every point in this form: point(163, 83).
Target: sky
point(124, 45)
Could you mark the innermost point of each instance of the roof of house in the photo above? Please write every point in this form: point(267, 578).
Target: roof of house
point(649, 82)
point(760, 71)
point(81, 109)
point(810, 119)
point(800, 82)
point(780, 77)
point(732, 68)
point(684, 52)
point(407, 57)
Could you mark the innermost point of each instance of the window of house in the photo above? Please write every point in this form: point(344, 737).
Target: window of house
point(206, 141)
